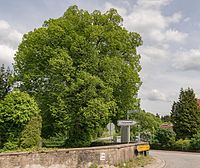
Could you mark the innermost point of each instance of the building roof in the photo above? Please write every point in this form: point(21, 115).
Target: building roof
point(166, 125)
point(198, 102)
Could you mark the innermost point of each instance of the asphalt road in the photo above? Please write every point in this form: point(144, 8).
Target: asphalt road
point(178, 159)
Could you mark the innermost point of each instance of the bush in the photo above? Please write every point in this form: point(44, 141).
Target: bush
point(30, 136)
point(164, 138)
point(183, 145)
point(145, 136)
point(16, 110)
point(56, 141)
point(10, 145)
point(195, 142)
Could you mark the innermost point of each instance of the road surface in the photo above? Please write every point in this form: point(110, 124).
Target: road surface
point(178, 159)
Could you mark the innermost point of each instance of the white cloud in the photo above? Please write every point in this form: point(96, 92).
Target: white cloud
point(144, 21)
point(4, 25)
point(187, 60)
point(153, 52)
point(6, 55)
point(175, 18)
point(156, 95)
point(9, 40)
point(146, 17)
point(8, 35)
point(152, 3)
point(175, 36)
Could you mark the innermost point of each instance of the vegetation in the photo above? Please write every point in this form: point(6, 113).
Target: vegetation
point(164, 139)
point(5, 81)
point(185, 115)
point(31, 135)
point(166, 118)
point(17, 110)
point(183, 145)
point(195, 142)
point(147, 123)
point(77, 73)
point(140, 161)
point(83, 70)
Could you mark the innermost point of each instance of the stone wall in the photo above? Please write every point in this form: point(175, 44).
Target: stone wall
point(69, 158)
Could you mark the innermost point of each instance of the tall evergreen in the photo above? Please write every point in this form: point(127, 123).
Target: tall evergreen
point(185, 114)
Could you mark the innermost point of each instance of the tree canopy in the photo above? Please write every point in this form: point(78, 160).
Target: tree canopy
point(83, 70)
point(147, 121)
point(185, 114)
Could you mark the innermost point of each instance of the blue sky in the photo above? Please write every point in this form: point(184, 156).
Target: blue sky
point(170, 55)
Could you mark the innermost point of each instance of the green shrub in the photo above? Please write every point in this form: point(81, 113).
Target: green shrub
point(16, 110)
point(55, 141)
point(30, 136)
point(93, 166)
point(183, 145)
point(195, 142)
point(10, 145)
point(164, 138)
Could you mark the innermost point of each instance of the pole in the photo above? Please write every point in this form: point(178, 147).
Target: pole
point(138, 133)
point(110, 132)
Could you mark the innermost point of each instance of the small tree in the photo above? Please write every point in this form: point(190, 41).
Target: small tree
point(185, 114)
point(31, 135)
point(16, 110)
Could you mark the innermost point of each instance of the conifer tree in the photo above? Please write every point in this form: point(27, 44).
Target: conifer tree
point(185, 114)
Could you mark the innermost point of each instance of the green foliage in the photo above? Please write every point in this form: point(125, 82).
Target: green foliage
point(185, 114)
point(148, 122)
point(164, 138)
point(183, 145)
point(195, 142)
point(166, 119)
point(83, 70)
point(16, 110)
point(146, 136)
point(140, 161)
point(5, 81)
point(56, 141)
point(10, 145)
point(31, 135)
point(93, 166)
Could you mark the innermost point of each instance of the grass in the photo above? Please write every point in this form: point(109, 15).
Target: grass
point(139, 161)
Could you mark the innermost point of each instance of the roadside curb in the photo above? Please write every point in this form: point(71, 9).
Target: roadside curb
point(158, 163)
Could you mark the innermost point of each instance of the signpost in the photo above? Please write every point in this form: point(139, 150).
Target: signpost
point(143, 147)
point(125, 122)
point(134, 111)
point(111, 129)
point(125, 129)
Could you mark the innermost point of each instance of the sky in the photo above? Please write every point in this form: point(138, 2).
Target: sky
point(170, 29)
